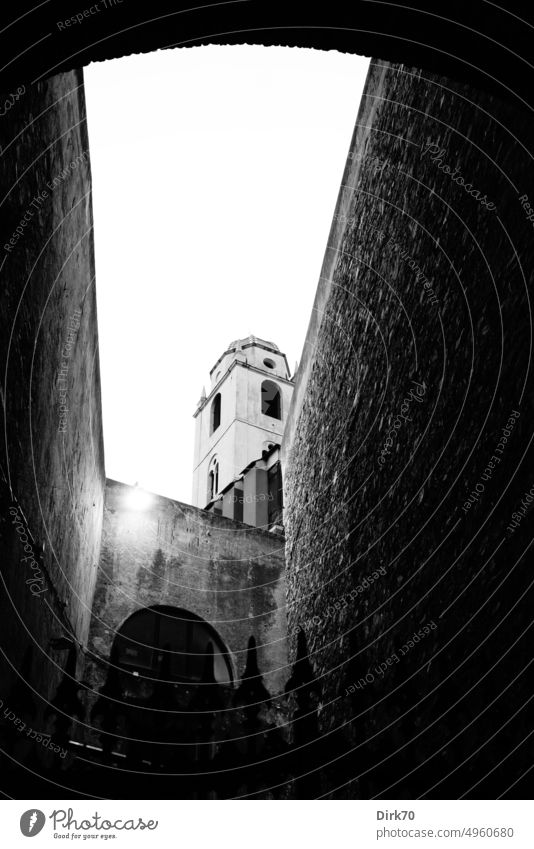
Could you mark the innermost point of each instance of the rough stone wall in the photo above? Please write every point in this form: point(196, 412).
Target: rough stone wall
point(407, 449)
point(52, 465)
point(229, 574)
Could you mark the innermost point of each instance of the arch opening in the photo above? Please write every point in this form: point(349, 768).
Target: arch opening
point(213, 479)
point(164, 643)
point(215, 412)
point(271, 400)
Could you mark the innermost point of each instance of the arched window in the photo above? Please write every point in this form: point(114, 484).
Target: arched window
point(213, 479)
point(167, 643)
point(215, 412)
point(271, 401)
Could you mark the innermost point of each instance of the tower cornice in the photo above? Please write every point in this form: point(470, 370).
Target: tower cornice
point(245, 343)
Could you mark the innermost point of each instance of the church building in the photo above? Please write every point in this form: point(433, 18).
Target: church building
point(239, 429)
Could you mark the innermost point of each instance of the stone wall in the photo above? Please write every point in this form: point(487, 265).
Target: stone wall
point(52, 469)
point(405, 455)
point(227, 573)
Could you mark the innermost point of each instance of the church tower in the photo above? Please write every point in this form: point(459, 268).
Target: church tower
point(239, 427)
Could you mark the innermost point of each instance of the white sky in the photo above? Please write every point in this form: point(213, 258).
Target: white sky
point(215, 176)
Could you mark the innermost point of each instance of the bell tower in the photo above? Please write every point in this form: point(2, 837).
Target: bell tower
point(241, 417)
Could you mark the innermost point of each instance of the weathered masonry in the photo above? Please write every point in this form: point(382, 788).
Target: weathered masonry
point(220, 571)
point(415, 369)
point(52, 462)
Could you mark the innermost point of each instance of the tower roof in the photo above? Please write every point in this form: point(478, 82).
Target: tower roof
point(242, 350)
point(252, 340)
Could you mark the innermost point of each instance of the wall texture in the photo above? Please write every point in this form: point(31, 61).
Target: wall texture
point(407, 445)
point(52, 470)
point(229, 574)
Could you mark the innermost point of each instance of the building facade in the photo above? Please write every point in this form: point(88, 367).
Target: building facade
point(185, 600)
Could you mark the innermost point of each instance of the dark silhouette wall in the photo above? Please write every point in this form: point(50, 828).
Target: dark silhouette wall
point(477, 41)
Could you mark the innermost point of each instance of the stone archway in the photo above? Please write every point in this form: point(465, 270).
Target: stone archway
point(165, 644)
point(168, 685)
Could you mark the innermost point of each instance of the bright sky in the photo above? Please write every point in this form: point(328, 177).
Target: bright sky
point(215, 176)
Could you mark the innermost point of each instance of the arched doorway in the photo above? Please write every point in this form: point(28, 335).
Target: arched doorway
point(164, 643)
point(168, 684)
